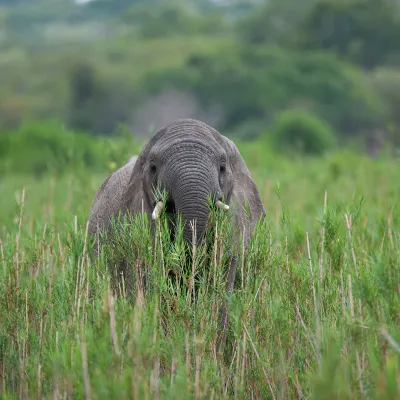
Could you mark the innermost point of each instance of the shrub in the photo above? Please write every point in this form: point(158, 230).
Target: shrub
point(303, 132)
point(386, 82)
point(48, 146)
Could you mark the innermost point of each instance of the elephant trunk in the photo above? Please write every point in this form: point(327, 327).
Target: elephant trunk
point(190, 198)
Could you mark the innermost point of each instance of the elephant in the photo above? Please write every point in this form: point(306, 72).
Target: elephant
point(191, 161)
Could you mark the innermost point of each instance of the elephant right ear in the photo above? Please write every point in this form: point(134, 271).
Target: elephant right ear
point(135, 199)
point(245, 197)
point(122, 191)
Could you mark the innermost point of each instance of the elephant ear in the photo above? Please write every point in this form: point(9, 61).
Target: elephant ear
point(135, 198)
point(123, 191)
point(120, 192)
point(245, 199)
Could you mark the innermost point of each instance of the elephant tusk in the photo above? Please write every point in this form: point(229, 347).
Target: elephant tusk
point(222, 205)
point(158, 210)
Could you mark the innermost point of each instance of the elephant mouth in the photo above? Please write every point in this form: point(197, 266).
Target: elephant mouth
point(169, 209)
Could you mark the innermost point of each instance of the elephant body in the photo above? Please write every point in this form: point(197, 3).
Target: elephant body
point(189, 160)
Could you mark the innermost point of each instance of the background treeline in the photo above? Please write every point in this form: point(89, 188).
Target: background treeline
point(304, 76)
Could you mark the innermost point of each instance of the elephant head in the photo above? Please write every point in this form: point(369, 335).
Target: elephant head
point(191, 162)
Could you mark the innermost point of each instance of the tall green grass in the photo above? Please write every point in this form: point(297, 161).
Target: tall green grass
point(315, 312)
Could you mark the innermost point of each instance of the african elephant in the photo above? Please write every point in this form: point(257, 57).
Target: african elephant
point(190, 160)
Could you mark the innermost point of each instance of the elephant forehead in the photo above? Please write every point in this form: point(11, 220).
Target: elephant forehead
point(187, 127)
point(188, 144)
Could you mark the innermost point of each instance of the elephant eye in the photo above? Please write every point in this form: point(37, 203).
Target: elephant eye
point(153, 169)
point(222, 168)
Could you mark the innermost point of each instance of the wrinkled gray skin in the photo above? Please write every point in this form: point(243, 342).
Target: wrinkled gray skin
point(190, 160)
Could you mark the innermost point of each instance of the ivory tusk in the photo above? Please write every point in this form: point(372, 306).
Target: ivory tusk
point(222, 205)
point(158, 210)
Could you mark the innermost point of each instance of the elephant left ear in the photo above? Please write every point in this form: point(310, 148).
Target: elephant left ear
point(245, 201)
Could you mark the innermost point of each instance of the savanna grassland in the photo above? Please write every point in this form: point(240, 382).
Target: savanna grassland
point(316, 308)
point(315, 312)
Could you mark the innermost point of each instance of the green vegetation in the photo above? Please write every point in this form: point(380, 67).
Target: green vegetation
point(49, 147)
point(323, 324)
point(301, 132)
point(237, 65)
point(303, 88)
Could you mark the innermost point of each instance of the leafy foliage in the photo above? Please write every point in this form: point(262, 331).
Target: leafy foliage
point(256, 82)
point(386, 82)
point(299, 131)
point(42, 147)
point(240, 63)
point(273, 23)
point(355, 29)
point(172, 20)
point(95, 106)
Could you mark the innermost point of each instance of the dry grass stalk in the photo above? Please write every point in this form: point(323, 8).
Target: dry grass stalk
point(17, 240)
point(187, 356)
point(3, 259)
point(390, 340)
point(321, 258)
point(353, 254)
point(113, 327)
point(198, 345)
point(85, 369)
point(258, 358)
point(317, 322)
point(39, 373)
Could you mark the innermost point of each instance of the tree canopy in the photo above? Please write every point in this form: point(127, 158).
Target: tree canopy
point(239, 63)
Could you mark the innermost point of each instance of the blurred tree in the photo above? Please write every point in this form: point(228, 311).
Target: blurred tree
point(171, 19)
point(84, 88)
point(12, 2)
point(114, 7)
point(13, 109)
point(254, 83)
point(85, 91)
point(273, 23)
point(362, 31)
point(96, 106)
point(235, 8)
point(387, 83)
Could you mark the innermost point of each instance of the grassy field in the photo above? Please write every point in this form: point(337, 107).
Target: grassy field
point(316, 312)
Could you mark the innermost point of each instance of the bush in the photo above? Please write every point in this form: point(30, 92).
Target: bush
point(386, 82)
point(48, 146)
point(303, 132)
